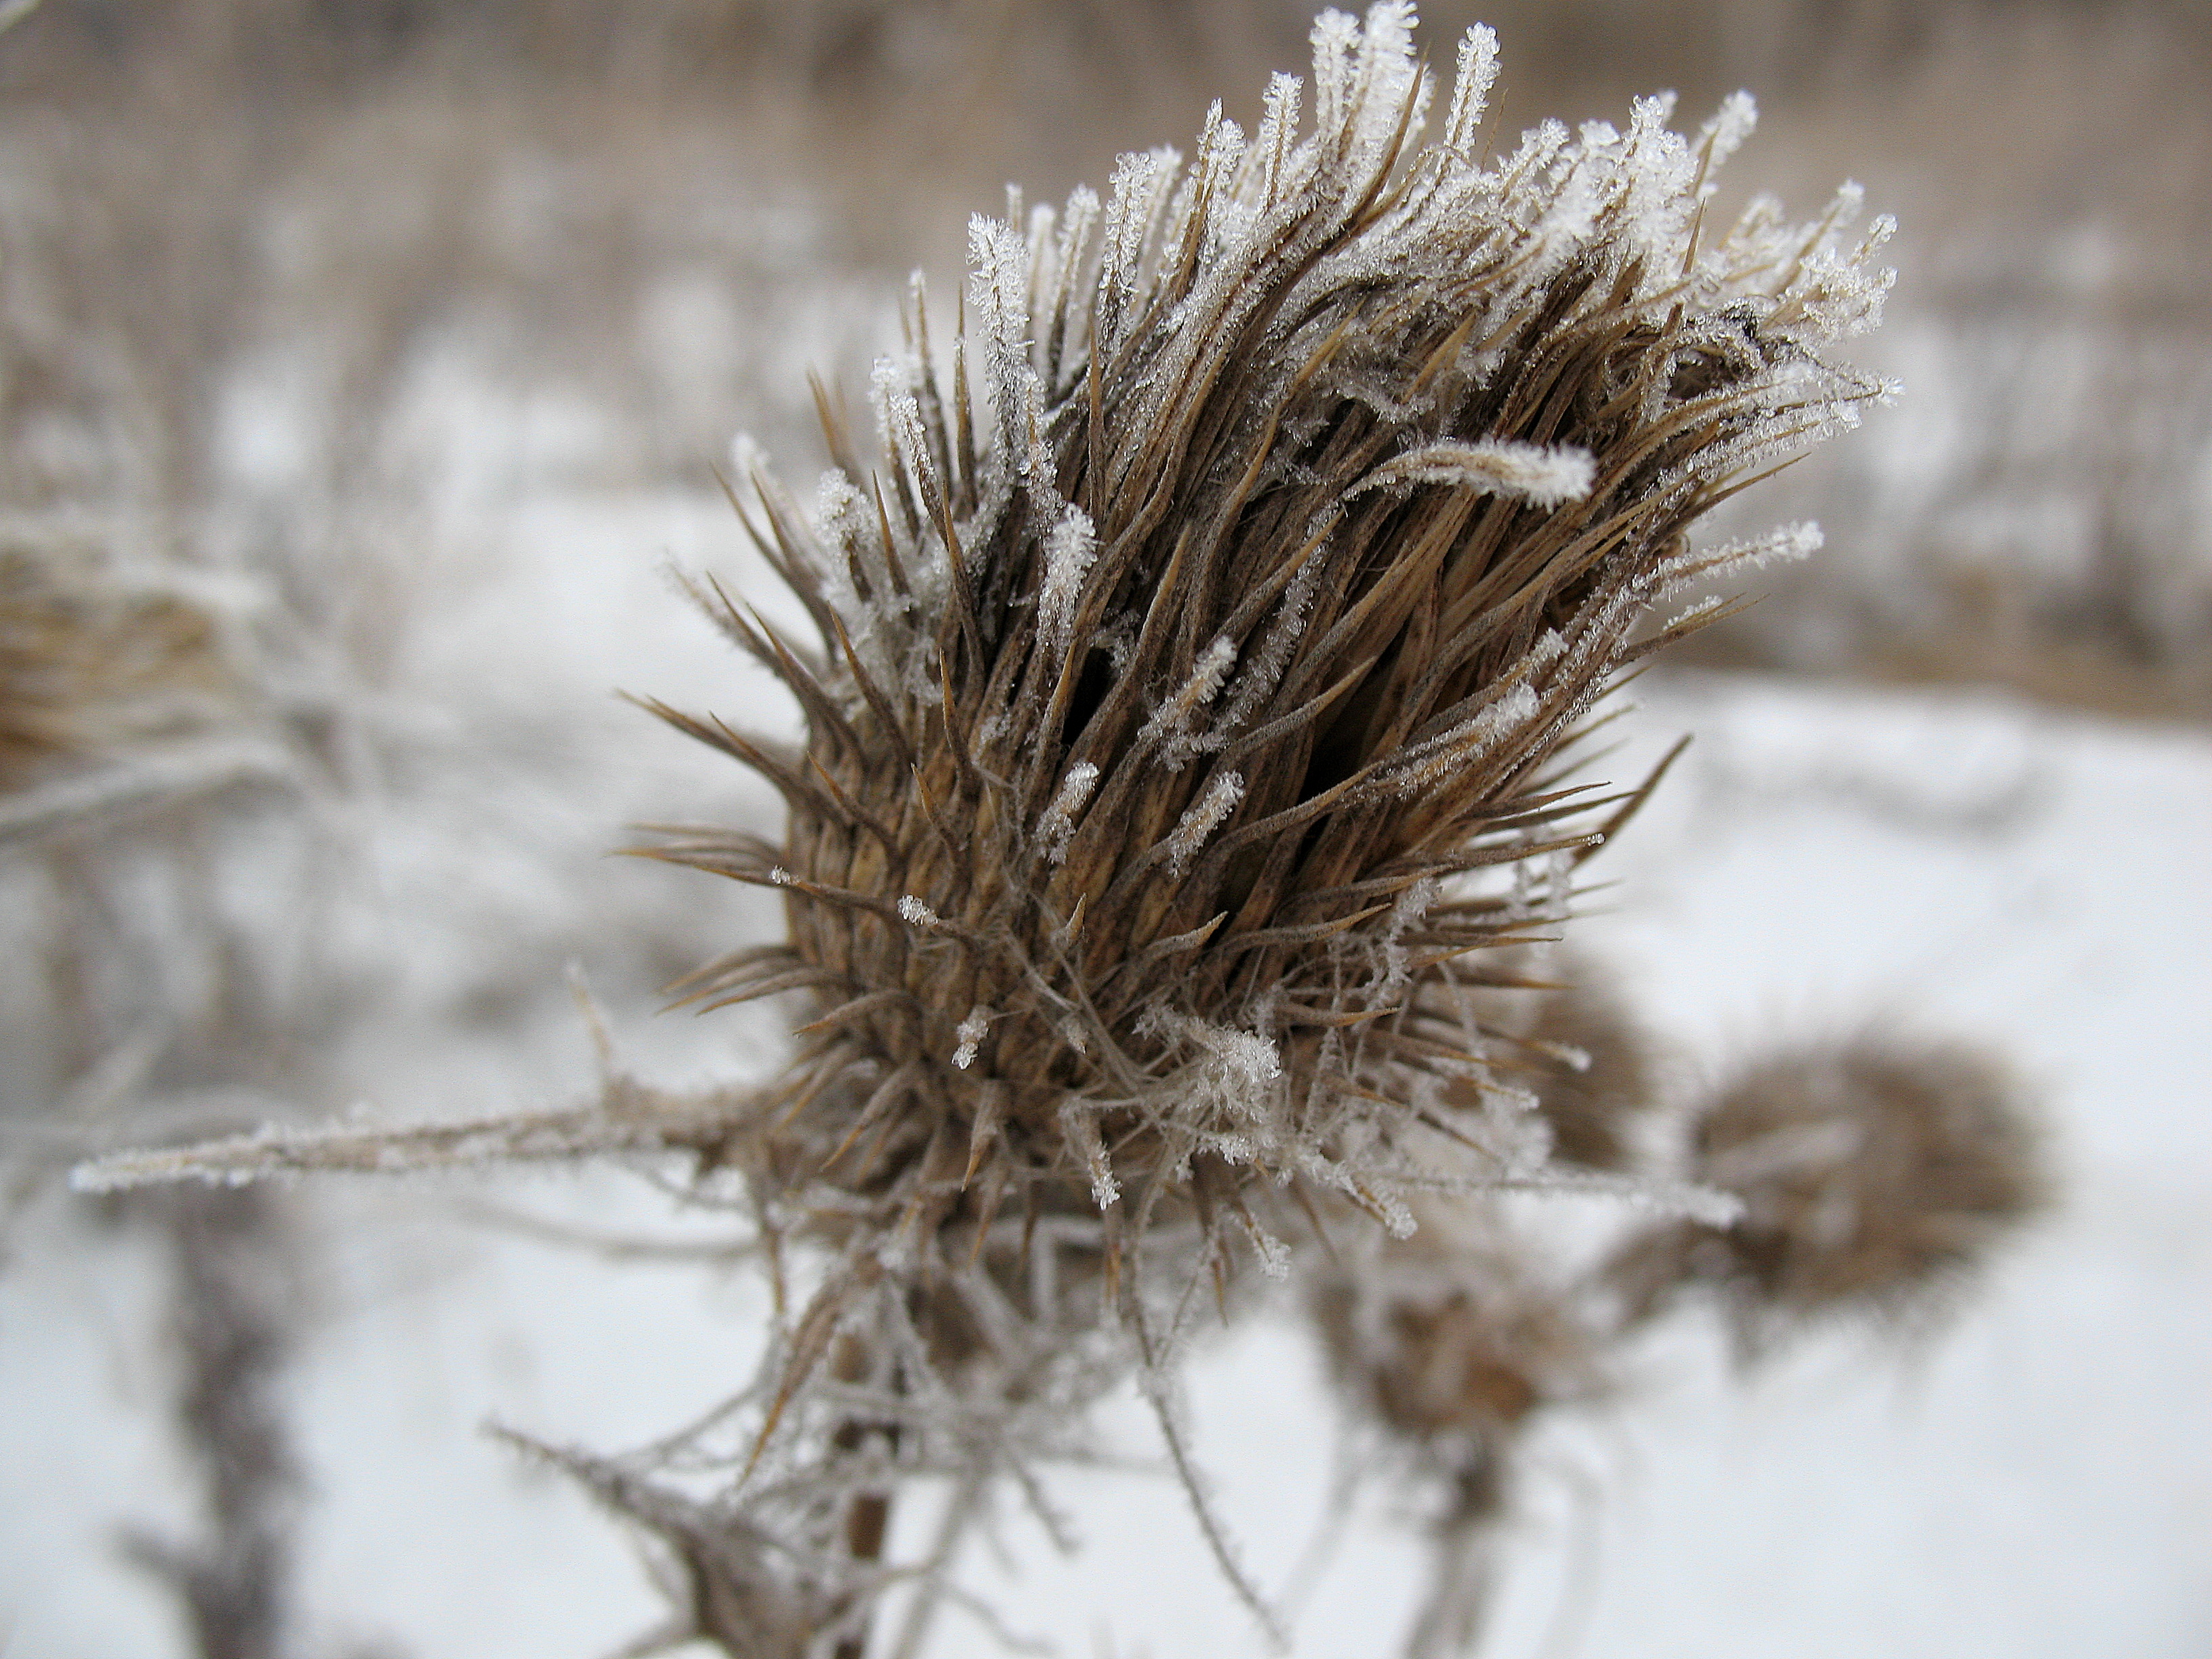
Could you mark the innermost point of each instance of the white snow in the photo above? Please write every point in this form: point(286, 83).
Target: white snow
point(2033, 1481)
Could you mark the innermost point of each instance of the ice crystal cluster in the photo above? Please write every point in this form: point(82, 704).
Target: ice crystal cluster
point(1196, 667)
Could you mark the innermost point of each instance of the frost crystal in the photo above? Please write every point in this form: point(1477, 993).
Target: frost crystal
point(971, 1033)
point(1543, 477)
point(1059, 821)
point(1201, 819)
point(1068, 550)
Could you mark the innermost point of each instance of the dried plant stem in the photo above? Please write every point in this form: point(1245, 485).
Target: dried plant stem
point(868, 1515)
point(234, 1329)
point(1465, 1551)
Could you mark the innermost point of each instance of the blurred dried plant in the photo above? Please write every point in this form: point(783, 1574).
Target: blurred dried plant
point(235, 1259)
point(86, 669)
point(1875, 1176)
point(1589, 1065)
point(2037, 517)
point(1449, 1341)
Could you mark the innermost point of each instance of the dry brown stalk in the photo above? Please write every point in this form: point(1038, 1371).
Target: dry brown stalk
point(236, 1308)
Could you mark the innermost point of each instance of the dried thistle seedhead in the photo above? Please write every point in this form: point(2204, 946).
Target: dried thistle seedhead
point(1186, 756)
point(1590, 1066)
point(1873, 1175)
point(1199, 644)
point(1450, 1341)
point(1451, 1338)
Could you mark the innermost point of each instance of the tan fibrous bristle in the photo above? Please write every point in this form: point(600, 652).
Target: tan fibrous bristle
point(92, 664)
point(1196, 656)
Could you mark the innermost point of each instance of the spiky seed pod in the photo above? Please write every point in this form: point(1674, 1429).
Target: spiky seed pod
point(1872, 1173)
point(1228, 602)
point(1451, 1340)
point(1185, 741)
point(1590, 1066)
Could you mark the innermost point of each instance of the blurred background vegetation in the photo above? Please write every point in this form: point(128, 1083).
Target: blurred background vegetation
point(243, 242)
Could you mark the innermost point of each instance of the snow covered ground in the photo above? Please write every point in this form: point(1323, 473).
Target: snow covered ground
point(2033, 1480)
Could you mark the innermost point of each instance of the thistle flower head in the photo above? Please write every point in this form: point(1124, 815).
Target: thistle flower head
point(1451, 1338)
point(1450, 1341)
point(91, 664)
point(1870, 1173)
point(1873, 1175)
point(1196, 656)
